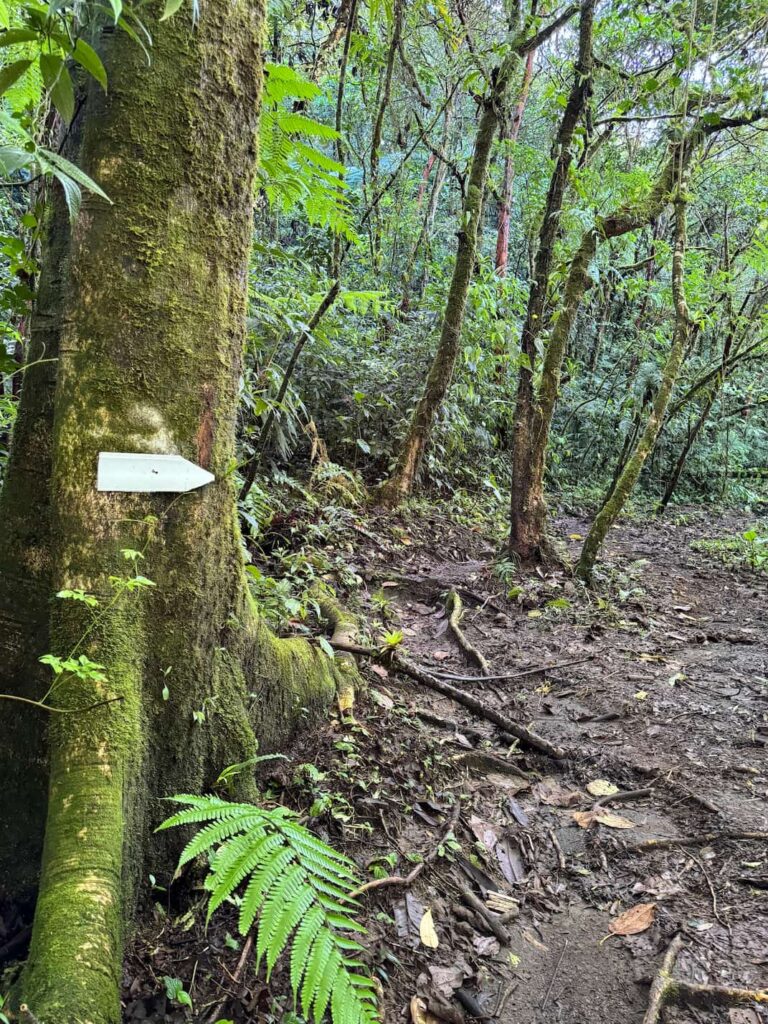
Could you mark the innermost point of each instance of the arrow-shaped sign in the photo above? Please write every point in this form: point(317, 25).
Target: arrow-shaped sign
point(130, 471)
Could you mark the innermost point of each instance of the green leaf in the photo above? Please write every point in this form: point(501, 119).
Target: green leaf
point(57, 162)
point(171, 6)
point(12, 73)
point(326, 647)
point(17, 35)
point(87, 58)
point(12, 159)
point(57, 81)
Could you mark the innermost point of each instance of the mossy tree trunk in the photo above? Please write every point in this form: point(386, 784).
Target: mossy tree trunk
point(150, 354)
point(527, 508)
point(510, 136)
point(612, 508)
point(25, 575)
point(401, 482)
point(528, 533)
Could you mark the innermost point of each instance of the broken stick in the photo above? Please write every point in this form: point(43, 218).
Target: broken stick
point(400, 664)
point(666, 989)
point(455, 610)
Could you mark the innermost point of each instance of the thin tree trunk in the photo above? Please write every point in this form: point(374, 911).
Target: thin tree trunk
point(612, 508)
point(429, 216)
point(151, 346)
point(528, 537)
point(402, 480)
point(400, 484)
point(339, 121)
point(505, 205)
point(378, 126)
point(527, 508)
point(693, 433)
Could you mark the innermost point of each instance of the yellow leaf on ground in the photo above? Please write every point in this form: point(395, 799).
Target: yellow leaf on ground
point(420, 1014)
point(586, 818)
point(427, 931)
point(634, 920)
point(602, 787)
point(613, 820)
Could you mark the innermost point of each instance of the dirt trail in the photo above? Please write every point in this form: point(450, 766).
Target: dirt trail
point(673, 699)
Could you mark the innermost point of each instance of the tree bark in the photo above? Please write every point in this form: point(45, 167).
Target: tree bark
point(510, 137)
point(25, 573)
point(528, 537)
point(151, 344)
point(613, 507)
point(527, 507)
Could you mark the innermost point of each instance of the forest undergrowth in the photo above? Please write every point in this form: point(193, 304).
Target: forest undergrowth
point(502, 883)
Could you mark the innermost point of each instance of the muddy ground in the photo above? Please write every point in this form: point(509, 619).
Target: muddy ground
point(667, 694)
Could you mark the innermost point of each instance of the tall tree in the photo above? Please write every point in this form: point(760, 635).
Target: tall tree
point(151, 333)
point(401, 481)
point(510, 135)
point(616, 501)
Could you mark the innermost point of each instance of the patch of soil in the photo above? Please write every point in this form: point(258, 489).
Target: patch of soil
point(671, 699)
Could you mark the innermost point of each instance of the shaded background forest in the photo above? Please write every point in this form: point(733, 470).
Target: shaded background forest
point(366, 140)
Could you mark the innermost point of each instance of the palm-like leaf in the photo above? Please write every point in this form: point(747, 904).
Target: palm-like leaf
point(296, 888)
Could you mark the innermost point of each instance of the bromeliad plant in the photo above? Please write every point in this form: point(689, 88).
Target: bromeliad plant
point(296, 890)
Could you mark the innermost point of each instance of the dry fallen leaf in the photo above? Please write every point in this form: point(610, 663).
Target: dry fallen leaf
point(602, 787)
point(550, 792)
point(485, 832)
point(586, 818)
point(636, 919)
point(420, 1014)
point(427, 931)
point(613, 820)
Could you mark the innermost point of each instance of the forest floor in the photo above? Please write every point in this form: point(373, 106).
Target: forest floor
point(667, 693)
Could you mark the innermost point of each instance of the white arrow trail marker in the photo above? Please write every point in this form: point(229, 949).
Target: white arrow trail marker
point(129, 471)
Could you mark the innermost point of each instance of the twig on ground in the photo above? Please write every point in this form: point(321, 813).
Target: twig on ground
point(617, 798)
point(511, 675)
point(379, 883)
point(666, 989)
point(711, 888)
point(455, 610)
point(216, 1011)
point(547, 994)
point(495, 927)
point(401, 664)
point(665, 842)
point(558, 849)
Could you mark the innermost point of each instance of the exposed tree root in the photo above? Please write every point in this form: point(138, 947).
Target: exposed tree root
point(665, 842)
point(455, 610)
point(666, 989)
point(401, 664)
point(410, 878)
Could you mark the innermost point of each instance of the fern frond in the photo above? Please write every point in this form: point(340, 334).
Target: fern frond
point(297, 890)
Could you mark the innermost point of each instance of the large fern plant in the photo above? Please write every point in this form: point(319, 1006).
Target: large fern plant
point(296, 888)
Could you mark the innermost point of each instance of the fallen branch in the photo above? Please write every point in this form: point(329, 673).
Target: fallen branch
point(455, 610)
point(397, 662)
point(539, 669)
point(665, 842)
point(410, 878)
point(666, 989)
point(617, 798)
point(494, 926)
